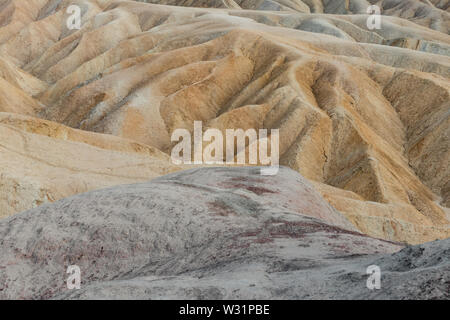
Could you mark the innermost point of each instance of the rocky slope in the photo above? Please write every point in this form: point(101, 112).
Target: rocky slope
point(363, 114)
point(42, 161)
point(208, 233)
point(422, 12)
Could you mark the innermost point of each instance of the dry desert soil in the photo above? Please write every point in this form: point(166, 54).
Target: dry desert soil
point(86, 174)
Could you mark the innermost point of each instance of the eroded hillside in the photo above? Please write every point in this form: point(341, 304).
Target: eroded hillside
point(362, 114)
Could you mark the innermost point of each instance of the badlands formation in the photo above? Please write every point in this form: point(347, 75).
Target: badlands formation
point(364, 122)
point(245, 236)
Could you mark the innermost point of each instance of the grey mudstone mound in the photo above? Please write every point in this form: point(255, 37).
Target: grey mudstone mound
point(208, 233)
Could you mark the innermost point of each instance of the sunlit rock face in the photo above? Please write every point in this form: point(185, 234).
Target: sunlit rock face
point(363, 114)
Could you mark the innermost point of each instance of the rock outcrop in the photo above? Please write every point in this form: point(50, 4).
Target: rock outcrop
point(419, 272)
